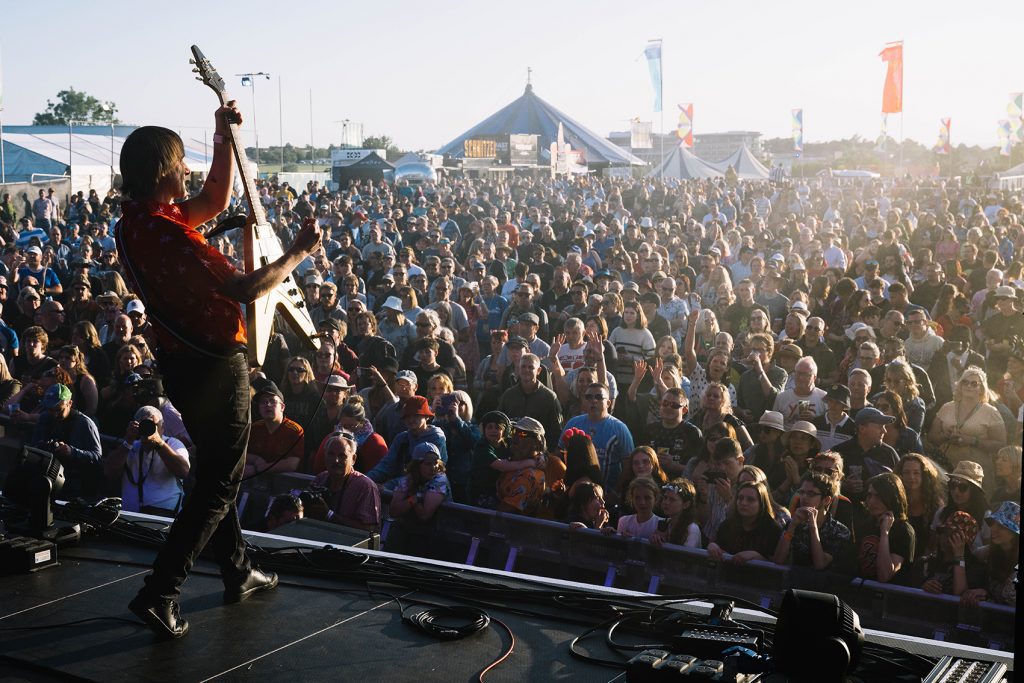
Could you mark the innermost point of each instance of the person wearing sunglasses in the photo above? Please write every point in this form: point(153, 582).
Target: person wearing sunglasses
point(672, 437)
point(612, 439)
point(965, 494)
point(969, 427)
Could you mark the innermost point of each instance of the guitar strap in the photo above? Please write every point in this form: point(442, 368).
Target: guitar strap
point(150, 311)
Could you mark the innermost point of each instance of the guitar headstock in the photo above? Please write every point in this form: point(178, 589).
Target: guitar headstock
point(207, 74)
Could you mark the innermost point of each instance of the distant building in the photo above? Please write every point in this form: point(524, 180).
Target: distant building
point(717, 146)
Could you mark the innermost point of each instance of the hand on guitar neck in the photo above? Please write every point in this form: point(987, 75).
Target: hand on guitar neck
point(248, 287)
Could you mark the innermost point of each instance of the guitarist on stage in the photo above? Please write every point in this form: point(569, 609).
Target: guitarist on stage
point(192, 296)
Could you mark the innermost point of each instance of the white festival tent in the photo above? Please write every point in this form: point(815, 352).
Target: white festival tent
point(682, 164)
point(744, 162)
point(35, 153)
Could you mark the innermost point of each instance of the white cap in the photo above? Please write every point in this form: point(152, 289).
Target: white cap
point(135, 306)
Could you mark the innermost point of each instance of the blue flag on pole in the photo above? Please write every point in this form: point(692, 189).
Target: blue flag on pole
point(653, 54)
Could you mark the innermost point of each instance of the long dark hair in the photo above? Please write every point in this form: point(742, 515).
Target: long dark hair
point(581, 461)
point(681, 522)
point(889, 488)
point(148, 153)
point(581, 496)
point(977, 504)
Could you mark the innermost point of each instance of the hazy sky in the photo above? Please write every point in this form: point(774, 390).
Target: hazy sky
point(423, 72)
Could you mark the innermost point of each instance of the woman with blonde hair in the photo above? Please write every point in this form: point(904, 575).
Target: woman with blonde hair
point(298, 387)
point(87, 339)
point(969, 427)
point(127, 359)
point(1006, 472)
point(899, 379)
point(84, 392)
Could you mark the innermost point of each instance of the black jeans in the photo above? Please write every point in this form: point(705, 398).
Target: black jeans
point(213, 398)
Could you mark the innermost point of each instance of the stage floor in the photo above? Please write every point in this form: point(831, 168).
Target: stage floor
point(308, 629)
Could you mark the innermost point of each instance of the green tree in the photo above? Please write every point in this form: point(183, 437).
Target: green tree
point(75, 105)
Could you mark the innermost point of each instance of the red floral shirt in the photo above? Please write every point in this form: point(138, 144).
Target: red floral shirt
point(178, 276)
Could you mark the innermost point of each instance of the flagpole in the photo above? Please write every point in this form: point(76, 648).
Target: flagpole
point(661, 89)
point(900, 167)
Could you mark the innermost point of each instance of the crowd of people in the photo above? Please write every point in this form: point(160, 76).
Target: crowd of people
point(811, 374)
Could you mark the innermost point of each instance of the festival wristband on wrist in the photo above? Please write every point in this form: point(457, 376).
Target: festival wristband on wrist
point(219, 139)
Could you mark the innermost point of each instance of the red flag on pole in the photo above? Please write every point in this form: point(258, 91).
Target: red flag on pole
point(892, 91)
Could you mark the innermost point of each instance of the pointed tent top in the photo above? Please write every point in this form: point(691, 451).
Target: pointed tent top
point(744, 162)
point(682, 164)
point(531, 115)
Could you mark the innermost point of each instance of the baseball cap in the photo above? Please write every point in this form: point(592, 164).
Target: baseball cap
point(529, 318)
point(426, 451)
point(269, 388)
point(58, 393)
point(34, 250)
point(408, 375)
point(528, 424)
point(135, 306)
point(839, 393)
point(873, 416)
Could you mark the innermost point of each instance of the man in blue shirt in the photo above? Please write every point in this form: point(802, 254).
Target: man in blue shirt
point(611, 437)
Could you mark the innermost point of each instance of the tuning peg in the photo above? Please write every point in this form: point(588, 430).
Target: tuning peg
point(195, 71)
point(198, 78)
point(191, 61)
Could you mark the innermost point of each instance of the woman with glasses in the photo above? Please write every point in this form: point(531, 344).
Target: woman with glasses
point(969, 427)
point(749, 531)
point(965, 493)
point(301, 395)
point(815, 537)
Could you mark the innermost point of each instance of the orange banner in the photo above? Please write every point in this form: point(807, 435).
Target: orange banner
point(892, 92)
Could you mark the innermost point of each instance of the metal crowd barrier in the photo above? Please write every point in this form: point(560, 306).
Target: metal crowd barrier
point(481, 537)
point(522, 544)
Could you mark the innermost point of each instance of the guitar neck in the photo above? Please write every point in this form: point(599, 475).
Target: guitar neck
point(259, 216)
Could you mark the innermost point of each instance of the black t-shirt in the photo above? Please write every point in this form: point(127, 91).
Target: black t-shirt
point(733, 538)
point(738, 316)
point(678, 444)
point(901, 542)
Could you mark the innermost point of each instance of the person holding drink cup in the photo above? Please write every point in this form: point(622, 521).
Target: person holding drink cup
point(865, 454)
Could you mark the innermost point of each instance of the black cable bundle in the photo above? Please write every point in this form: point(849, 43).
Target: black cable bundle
point(427, 621)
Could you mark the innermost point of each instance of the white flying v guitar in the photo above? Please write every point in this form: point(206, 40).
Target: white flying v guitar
point(261, 246)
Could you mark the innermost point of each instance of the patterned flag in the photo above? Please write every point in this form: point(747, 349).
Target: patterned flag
point(653, 54)
point(892, 91)
point(883, 135)
point(1005, 138)
point(798, 130)
point(942, 145)
point(684, 131)
point(1016, 111)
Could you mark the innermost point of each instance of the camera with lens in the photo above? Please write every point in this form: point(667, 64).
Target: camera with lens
point(314, 502)
point(147, 428)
